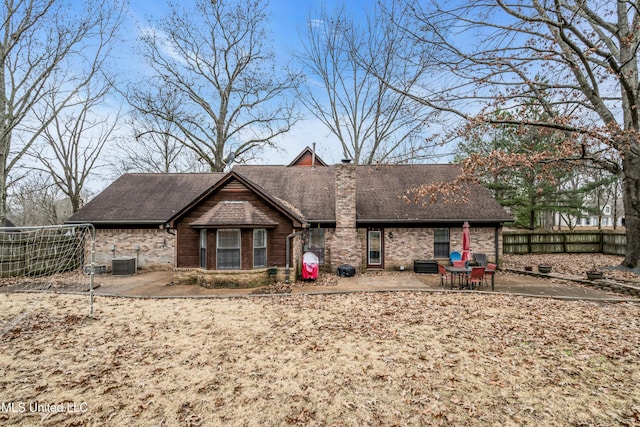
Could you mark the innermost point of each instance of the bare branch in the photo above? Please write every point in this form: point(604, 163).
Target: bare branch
point(43, 48)
point(220, 66)
point(372, 122)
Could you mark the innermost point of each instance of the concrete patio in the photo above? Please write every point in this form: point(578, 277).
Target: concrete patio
point(158, 284)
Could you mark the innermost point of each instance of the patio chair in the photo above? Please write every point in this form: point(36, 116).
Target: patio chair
point(459, 263)
point(490, 266)
point(454, 256)
point(475, 277)
point(444, 276)
point(480, 259)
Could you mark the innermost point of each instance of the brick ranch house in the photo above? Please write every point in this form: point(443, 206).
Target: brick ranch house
point(236, 229)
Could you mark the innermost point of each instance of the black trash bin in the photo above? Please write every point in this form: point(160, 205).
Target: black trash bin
point(346, 270)
point(425, 266)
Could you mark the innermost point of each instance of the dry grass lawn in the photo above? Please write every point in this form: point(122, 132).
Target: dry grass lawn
point(337, 360)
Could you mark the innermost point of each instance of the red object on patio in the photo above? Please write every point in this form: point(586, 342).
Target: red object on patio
point(466, 243)
point(475, 277)
point(444, 276)
point(310, 266)
point(490, 271)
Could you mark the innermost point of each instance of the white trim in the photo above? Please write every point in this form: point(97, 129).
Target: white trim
point(202, 261)
point(264, 230)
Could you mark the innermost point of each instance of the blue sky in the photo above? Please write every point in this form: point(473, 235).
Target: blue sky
point(289, 18)
point(287, 15)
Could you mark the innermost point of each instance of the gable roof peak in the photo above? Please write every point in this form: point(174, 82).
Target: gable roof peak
point(307, 157)
point(234, 176)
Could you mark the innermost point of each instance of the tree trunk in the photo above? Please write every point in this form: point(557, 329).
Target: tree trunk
point(76, 202)
point(3, 204)
point(4, 211)
point(615, 204)
point(532, 219)
point(631, 197)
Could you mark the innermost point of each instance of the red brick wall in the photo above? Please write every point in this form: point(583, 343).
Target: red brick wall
point(156, 246)
point(348, 249)
point(409, 244)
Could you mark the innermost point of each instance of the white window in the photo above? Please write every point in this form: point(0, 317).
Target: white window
point(607, 210)
point(228, 250)
point(203, 248)
point(259, 247)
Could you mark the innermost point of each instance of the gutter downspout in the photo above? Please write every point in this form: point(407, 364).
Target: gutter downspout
point(288, 251)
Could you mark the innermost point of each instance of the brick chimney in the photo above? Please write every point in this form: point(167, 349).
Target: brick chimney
point(346, 247)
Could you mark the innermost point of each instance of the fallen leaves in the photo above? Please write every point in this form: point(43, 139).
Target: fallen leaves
point(573, 264)
point(376, 359)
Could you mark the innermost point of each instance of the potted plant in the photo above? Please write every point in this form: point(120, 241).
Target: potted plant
point(594, 273)
point(544, 268)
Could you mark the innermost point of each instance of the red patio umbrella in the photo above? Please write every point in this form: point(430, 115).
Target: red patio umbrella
point(466, 242)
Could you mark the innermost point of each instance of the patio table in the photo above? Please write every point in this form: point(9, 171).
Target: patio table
point(462, 271)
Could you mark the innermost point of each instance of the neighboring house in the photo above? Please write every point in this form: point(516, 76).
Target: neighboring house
point(608, 217)
point(239, 227)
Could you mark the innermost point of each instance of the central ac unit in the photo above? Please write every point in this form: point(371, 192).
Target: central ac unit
point(125, 266)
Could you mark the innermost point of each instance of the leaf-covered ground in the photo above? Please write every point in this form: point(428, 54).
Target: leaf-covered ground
point(576, 265)
point(357, 359)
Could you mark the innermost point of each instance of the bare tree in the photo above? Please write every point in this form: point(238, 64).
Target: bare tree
point(36, 200)
point(217, 61)
point(579, 58)
point(153, 145)
point(72, 143)
point(154, 152)
point(372, 122)
point(45, 48)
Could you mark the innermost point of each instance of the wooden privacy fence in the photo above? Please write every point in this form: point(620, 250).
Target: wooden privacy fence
point(534, 242)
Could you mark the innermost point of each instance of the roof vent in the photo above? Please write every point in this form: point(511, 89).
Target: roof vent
point(346, 161)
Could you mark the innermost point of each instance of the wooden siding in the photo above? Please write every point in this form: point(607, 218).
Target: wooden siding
point(188, 238)
point(305, 160)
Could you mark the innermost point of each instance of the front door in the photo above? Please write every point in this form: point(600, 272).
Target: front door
point(375, 237)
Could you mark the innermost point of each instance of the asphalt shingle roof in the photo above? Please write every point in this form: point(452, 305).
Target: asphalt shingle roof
point(311, 191)
point(233, 213)
point(144, 198)
point(381, 195)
